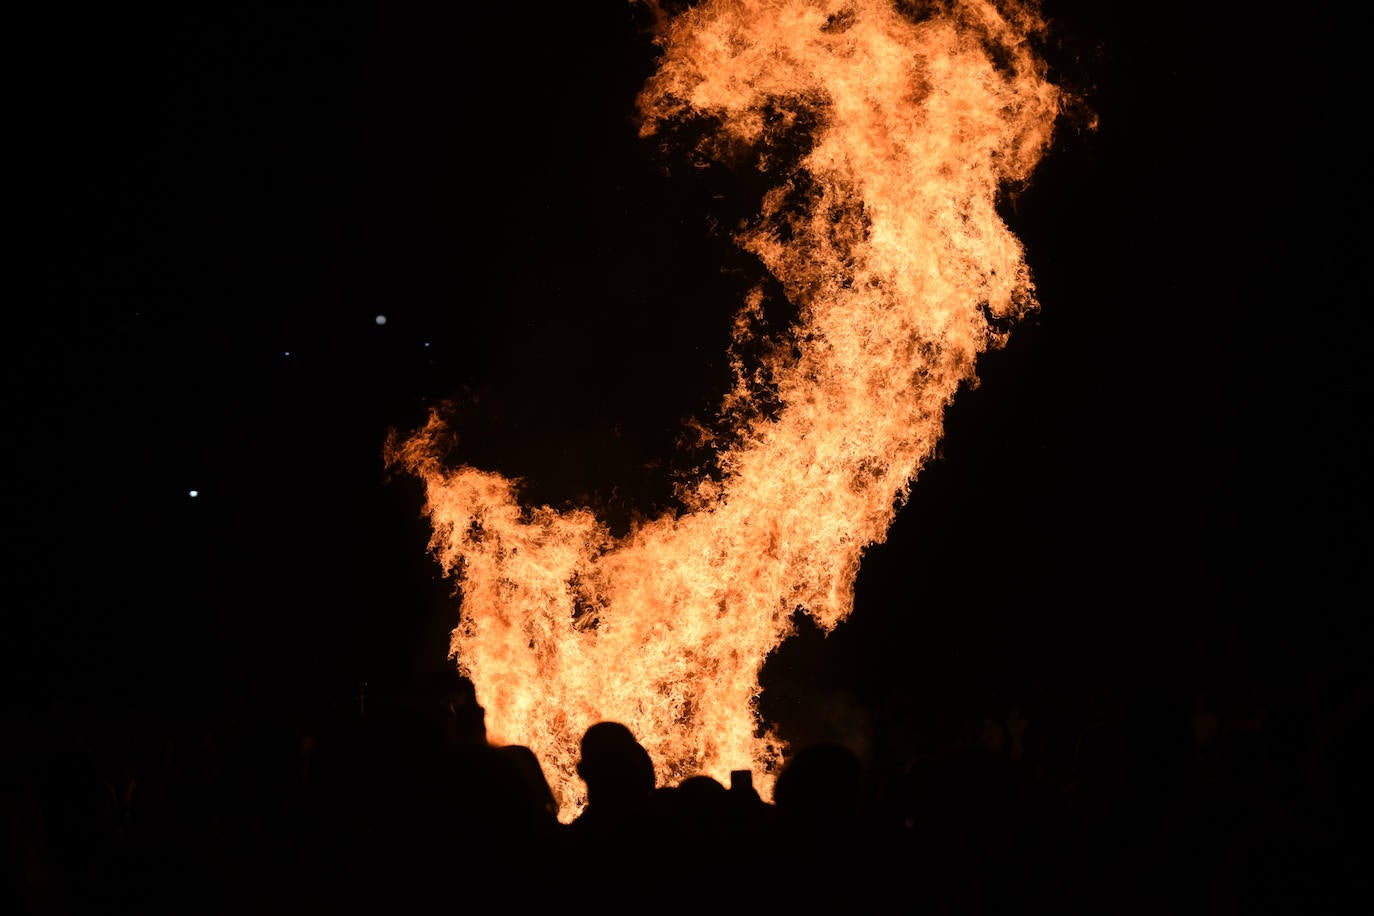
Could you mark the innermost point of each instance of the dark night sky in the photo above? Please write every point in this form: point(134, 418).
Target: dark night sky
point(1163, 474)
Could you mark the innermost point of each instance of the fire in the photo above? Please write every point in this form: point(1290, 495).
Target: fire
point(883, 231)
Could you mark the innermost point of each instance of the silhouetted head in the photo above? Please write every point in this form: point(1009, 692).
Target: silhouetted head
point(533, 786)
point(702, 796)
point(614, 765)
point(705, 789)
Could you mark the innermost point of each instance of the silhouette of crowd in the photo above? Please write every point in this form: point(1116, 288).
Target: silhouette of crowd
point(1139, 799)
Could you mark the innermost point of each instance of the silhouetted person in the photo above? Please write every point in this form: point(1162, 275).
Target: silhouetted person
point(613, 849)
point(702, 804)
point(699, 809)
point(533, 798)
point(821, 783)
point(430, 792)
point(715, 837)
point(824, 847)
point(619, 775)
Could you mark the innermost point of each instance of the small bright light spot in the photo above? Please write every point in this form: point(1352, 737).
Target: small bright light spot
point(381, 319)
point(286, 353)
point(426, 345)
point(193, 493)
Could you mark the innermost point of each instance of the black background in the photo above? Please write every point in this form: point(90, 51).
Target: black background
point(1162, 476)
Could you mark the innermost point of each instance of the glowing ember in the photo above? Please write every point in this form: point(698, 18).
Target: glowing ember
point(883, 231)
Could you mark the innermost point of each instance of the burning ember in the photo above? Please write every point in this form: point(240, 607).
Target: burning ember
point(883, 231)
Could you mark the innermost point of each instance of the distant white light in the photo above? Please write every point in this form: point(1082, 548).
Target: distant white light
point(426, 345)
point(381, 319)
point(286, 353)
point(193, 493)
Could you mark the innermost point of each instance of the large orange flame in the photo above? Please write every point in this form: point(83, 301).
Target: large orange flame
point(883, 232)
